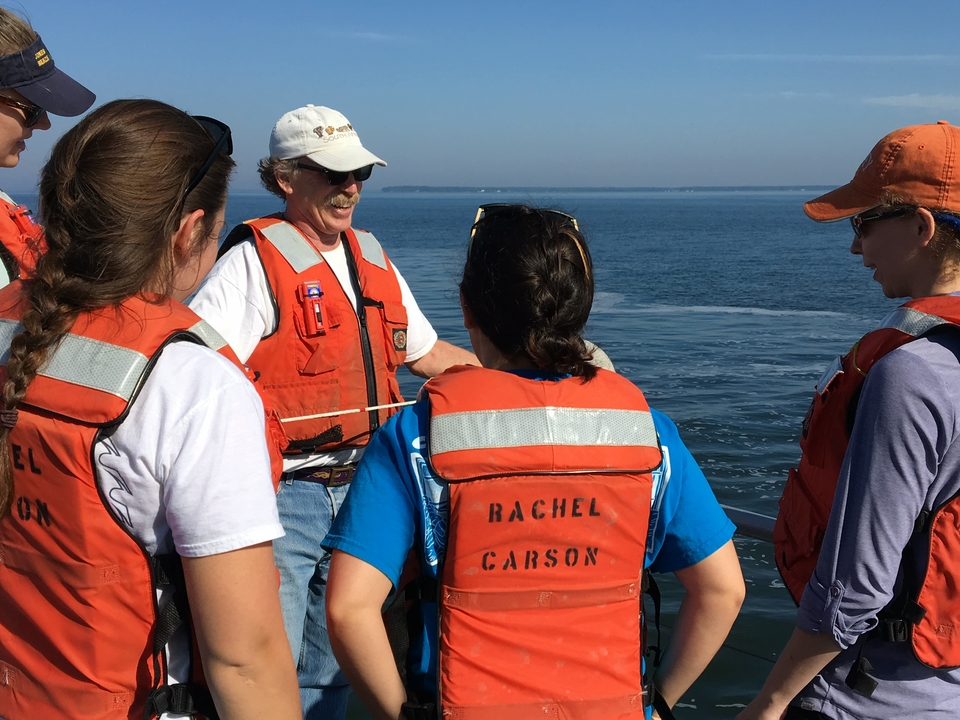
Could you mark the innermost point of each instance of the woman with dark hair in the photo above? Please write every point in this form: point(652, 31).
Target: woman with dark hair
point(867, 536)
point(529, 495)
point(31, 87)
point(136, 503)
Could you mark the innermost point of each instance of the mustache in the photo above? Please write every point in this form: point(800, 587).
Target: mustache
point(343, 200)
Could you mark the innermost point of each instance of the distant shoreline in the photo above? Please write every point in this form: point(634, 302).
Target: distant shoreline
point(693, 188)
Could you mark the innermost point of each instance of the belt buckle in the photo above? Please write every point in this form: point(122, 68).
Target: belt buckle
point(340, 476)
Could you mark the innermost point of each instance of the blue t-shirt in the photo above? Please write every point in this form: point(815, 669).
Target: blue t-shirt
point(395, 503)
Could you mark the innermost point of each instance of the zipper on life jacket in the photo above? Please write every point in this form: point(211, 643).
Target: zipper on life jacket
point(369, 371)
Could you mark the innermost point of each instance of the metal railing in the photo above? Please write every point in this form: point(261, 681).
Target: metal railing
point(751, 524)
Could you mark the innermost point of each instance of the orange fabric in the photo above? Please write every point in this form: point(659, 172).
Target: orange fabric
point(78, 620)
point(305, 375)
point(22, 237)
point(917, 164)
point(541, 584)
point(810, 488)
point(935, 636)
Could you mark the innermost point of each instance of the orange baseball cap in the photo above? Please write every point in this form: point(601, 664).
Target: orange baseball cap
point(917, 163)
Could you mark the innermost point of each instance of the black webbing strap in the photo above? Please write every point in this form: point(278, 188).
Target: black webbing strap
point(168, 572)
point(660, 705)
point(185, 698)
point(395, 622)
point(859, 679)
point(650, 587)
point(413, 710)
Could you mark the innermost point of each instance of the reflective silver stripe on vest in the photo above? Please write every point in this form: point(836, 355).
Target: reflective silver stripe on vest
point(527, 427)
point(86, 362)
point(370, 249)
point(295, 249)
point(7, 198)
point(912, 322)
point(206, 332)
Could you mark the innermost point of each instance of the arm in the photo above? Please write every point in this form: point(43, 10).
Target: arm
point(441, 356)
point(236, 613)
point(714, 592)
point(804, 656)
point(355, 594)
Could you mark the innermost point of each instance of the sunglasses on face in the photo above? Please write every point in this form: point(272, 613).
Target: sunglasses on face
point(223, 142)
point(336, 177)
point(31, 113)
point(857, 221)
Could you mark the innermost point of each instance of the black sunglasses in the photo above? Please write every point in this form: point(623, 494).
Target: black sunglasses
point(31, 113)
point(336, 177)
point(223, 142)
point(857, 221)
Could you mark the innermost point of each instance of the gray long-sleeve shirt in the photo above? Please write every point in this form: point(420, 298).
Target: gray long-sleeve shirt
point(903, 457)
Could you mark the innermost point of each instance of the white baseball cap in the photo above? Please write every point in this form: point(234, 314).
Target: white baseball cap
point(323, 135)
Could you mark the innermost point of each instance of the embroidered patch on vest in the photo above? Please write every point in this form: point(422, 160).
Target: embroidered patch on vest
point(400, 339)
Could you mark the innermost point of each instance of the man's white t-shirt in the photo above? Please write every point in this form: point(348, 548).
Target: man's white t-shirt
point(235, 299)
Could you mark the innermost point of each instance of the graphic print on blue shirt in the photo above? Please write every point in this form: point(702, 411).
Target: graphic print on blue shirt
point(434, 508)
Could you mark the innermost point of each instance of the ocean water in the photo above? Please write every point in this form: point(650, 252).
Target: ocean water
point(724, 307)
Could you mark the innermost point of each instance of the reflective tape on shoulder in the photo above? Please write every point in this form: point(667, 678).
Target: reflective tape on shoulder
point(295, 249)
point(86, 362)
point(211, 338)
point(912, 322)
point(529, 427)
point(370, 249)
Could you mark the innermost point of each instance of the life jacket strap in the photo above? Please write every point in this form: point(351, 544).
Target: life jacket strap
point(659, 704)
point(412, 710)
point(859, 679)
point(184, 698)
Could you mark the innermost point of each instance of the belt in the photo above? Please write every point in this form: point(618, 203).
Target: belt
point(330, 476)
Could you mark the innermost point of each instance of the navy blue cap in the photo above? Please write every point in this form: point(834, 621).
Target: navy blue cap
point(32, 73)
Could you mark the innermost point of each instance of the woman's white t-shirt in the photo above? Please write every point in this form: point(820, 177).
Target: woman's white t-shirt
point(188, 468)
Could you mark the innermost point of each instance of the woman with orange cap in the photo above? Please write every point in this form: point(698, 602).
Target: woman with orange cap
point(866, 538)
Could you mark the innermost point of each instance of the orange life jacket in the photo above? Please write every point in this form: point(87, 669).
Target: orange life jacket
point(21, 239)
point(811, 486)
point(540, 589)
point(80, 634)
point(339, 359)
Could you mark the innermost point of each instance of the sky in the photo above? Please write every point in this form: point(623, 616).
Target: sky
point(528, 93)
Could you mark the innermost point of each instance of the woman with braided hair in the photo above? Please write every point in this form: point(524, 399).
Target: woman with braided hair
point(31, 89)
point(529, 494)
point(136, 505)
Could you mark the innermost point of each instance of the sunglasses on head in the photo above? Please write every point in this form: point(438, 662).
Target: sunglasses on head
point(31, 113)
point(223, 142)
point(857, 221)
point(493, 208)
point(336, 177)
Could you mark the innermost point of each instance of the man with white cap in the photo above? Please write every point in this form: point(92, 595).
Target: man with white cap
point(320, 314)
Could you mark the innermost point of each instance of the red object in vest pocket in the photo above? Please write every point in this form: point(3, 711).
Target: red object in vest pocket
point(310, 295)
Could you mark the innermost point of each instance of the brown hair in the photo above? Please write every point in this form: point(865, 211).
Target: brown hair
point(15, 33)
point(528, 282)
point(945, 243)
point(272, 167)
point(111, 197)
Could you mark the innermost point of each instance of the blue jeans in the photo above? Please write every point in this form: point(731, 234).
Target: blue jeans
point(307, 510)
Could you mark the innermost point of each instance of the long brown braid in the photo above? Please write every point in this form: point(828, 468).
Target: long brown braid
point(111, 197)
